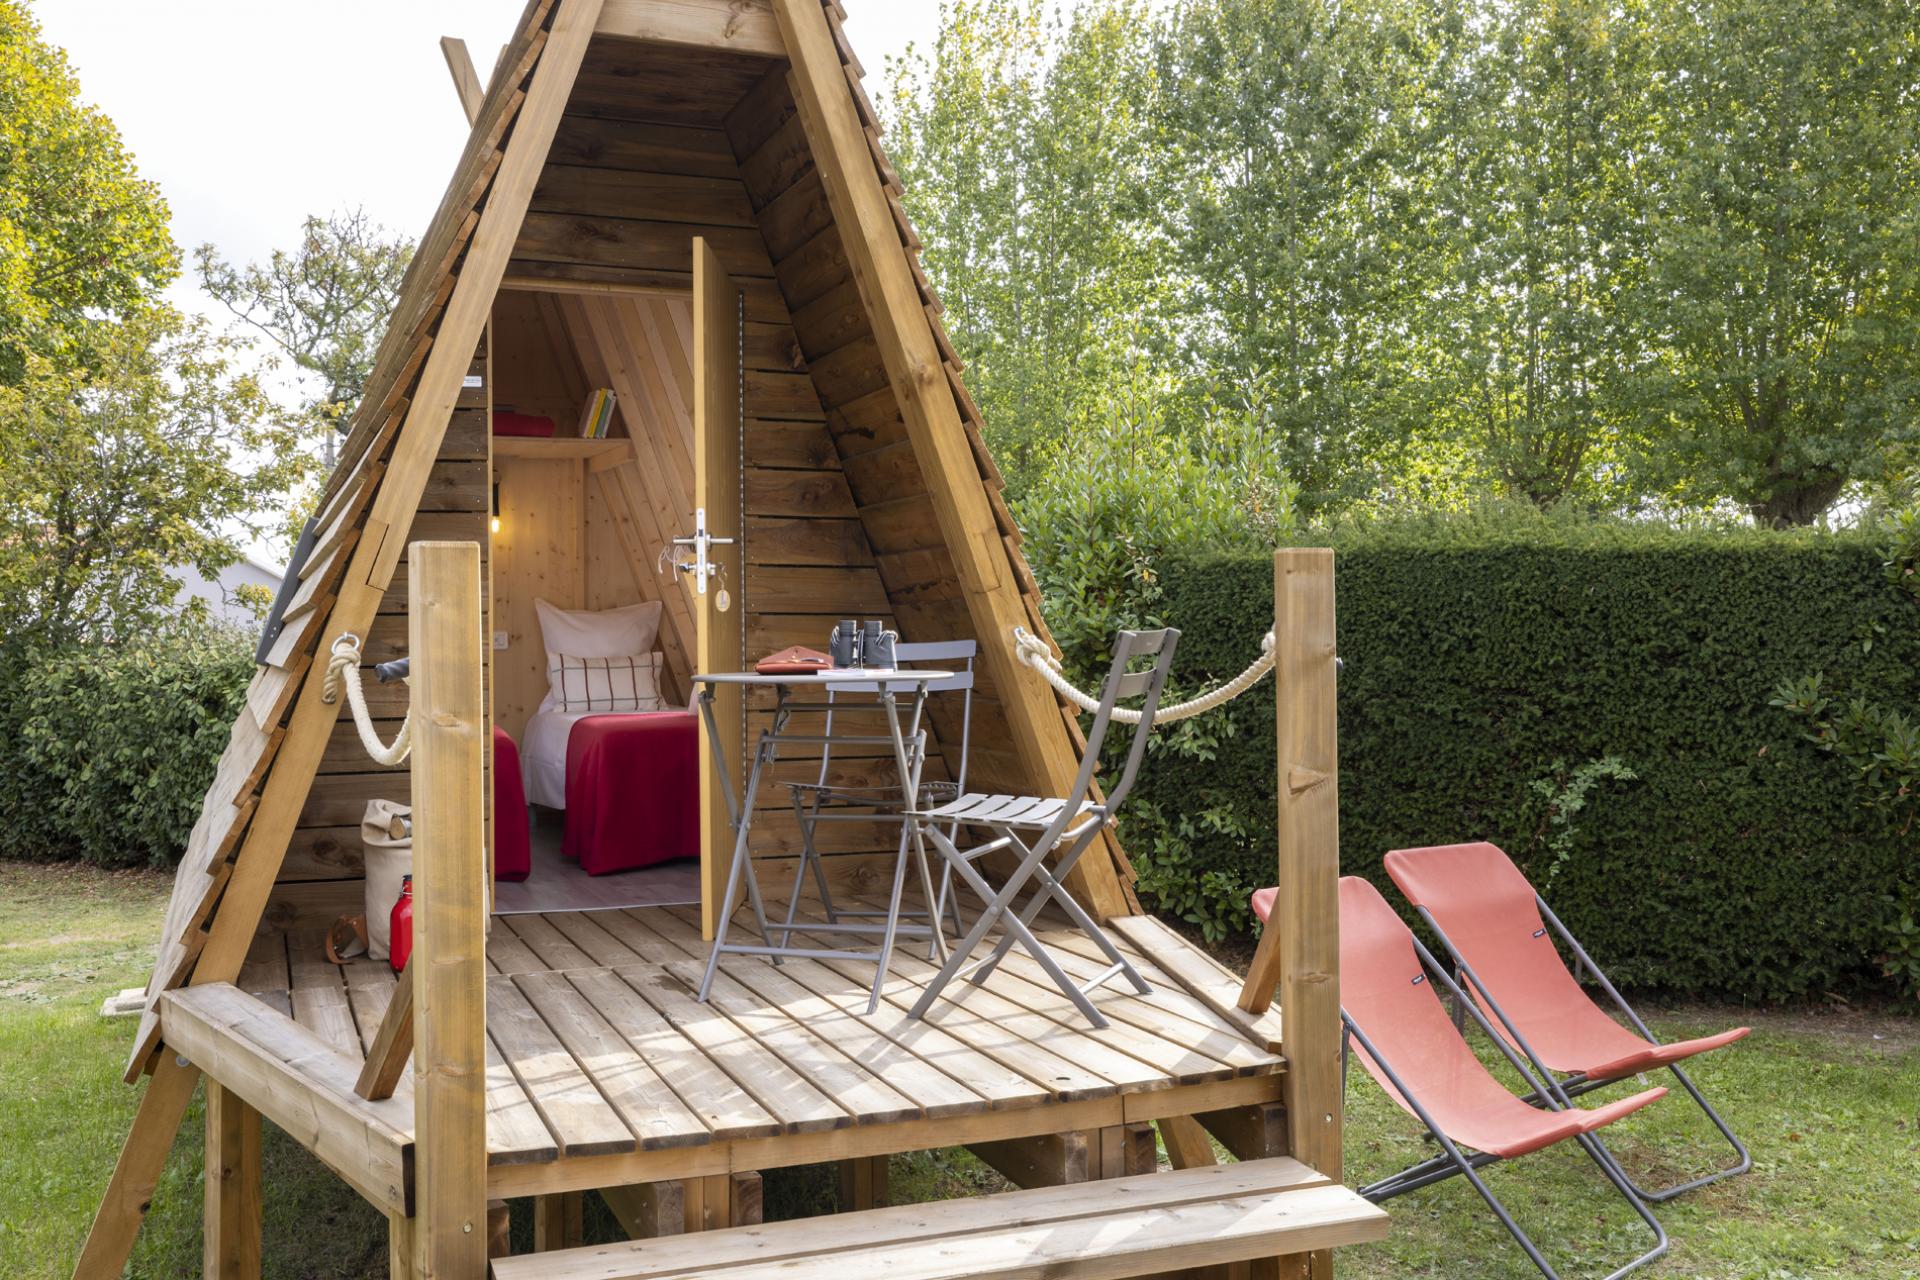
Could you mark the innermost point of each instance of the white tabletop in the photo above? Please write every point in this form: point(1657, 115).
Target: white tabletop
point(830, 676)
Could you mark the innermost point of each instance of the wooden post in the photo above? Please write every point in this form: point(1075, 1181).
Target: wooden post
point(864, 1183)
point(400, 1250)
point(1300, 951)
point(449, 913)
point(231, 1226)
point(499, 1229)
point(558, 1221)
point(135, 1175)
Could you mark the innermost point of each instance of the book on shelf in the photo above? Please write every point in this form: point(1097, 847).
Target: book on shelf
point(597, 415)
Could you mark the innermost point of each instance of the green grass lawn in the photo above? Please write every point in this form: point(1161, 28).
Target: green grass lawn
point(1829, 1102)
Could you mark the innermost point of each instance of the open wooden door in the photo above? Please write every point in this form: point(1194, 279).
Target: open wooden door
point(719, 605)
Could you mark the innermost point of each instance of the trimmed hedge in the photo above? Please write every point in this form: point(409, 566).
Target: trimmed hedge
point(1491, 673)
point(111, 749)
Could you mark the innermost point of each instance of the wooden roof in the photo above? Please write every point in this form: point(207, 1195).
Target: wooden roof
point(789, 83)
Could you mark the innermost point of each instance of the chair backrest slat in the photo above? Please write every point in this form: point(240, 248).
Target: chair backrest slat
point(1124, 684)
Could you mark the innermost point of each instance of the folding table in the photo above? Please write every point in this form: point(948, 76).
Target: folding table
point(908, 742)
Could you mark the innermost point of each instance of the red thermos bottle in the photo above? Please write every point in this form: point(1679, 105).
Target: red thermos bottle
point(400, 927)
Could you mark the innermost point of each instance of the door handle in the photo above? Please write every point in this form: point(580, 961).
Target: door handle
point(703, 566)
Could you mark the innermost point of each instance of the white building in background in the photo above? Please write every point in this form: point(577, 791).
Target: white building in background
point(222, 593)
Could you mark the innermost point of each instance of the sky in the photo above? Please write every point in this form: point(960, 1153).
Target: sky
point(251, 114)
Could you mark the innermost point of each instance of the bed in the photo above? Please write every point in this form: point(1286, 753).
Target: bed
point(629, 784)
point(606, 747)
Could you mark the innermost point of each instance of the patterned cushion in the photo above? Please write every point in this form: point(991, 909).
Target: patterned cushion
point(630, 683)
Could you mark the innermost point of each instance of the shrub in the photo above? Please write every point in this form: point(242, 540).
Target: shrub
point(1505, 674)
point(113, 747)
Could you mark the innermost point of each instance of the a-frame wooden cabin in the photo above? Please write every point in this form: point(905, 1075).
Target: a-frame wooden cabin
point(685, 201)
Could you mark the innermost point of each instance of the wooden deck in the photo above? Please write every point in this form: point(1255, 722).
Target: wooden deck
point(604, 1070)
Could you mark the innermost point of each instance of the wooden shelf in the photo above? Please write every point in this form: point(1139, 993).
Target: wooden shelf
point(557, 447)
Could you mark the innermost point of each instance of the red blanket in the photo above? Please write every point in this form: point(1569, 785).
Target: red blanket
point(633, 791)
point(512, 843)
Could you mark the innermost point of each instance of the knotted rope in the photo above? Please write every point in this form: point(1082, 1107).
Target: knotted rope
point(1036, 653)
point(343, 668)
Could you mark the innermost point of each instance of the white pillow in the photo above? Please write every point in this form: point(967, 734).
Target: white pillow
point(629, 683)
point(585, 633)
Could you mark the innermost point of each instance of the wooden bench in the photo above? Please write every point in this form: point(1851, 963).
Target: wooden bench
point(1119, 1227)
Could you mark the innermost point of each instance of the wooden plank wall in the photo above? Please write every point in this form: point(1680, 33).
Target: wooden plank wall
point(884, 480)
point(631, 180)
point(321, 875)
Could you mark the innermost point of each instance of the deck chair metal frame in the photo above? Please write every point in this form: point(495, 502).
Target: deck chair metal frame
point(1070, 824)
point(822, 801)
point(1454, 1162)
point(1558, 1091)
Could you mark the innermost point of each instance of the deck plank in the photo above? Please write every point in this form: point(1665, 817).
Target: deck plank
point(931, 1089)
point(789, 1096)
point(866, 1097)
point(575, 1114)
point(546, 942)
point(1001, 1085)
point(629, 1085)
point(1212, 983)
point(584, 931)
point(728, 1111)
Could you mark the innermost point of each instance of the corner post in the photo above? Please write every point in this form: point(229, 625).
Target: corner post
point(231, 1224)
point(449, 913)
point(1300, 949)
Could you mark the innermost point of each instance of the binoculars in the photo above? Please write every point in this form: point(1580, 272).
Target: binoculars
point(854, 645)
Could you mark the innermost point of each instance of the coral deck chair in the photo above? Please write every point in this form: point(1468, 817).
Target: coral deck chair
point(1409, 1044)
point(1491, 922)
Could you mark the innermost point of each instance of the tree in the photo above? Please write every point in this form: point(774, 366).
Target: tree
point(1300, 242)
point(80, 233)
point(111, 476)
point(324, 306)
point(1025, 148)
point(1784, 212)
point(1539, 188)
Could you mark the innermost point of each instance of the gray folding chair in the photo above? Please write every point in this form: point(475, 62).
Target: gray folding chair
point(1070, 825)
point(823, 801)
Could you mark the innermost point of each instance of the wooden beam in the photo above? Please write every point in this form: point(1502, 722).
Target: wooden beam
point(1186, 1142)
point(1049, 1160)
point(865, 1183)
point(1250, 1133)
point(297, 1080)
point(392, 1044)
point(466, 81)
point(499, 1229)
point(558, 1221)
point(449, 910)
point(230, 1228)
point(887, 289)
point(1306, 912)
point(137, 1172)
point(741, 26)
point(400, 1248)
point(648, 1210)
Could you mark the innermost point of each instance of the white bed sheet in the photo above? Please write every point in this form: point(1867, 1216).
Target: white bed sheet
point(543, 753)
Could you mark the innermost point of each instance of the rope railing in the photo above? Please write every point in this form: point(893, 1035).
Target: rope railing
point(1038, 654)
point(343, 670)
